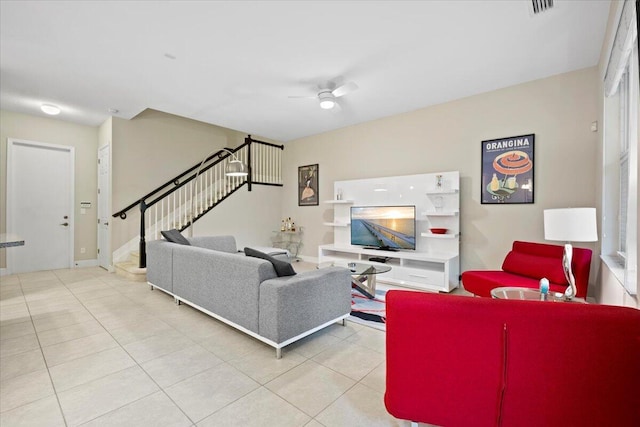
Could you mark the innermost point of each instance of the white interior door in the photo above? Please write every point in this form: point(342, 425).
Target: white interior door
point(40, 182)
point(104, 196)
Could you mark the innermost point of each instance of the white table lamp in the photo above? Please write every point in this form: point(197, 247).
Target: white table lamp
point(570, 225)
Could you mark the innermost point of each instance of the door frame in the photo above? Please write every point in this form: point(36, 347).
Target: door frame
point(11, 190)
point(104, 197)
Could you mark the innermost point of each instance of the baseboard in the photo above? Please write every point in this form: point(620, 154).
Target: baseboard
point(77, 264)
point(306, 258)
point(86, 263)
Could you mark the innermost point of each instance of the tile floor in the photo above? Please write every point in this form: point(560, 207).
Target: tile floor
point(84, 347)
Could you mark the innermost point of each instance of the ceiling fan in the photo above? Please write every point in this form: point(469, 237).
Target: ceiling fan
point(327, 96)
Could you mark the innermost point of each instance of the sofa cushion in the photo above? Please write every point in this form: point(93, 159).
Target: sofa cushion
point(282, 268)
point(175, 236)
point(535, 266)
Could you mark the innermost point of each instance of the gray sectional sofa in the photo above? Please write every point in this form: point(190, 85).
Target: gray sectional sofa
point(245, 292)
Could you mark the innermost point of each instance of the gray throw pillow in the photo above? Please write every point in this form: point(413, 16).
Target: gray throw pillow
point(175, 237)
point(282, 268)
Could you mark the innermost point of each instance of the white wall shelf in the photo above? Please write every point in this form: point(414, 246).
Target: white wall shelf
point(339, 202)
point(337, 224)
point(439, 236)
point(440, 213)
point(435, 192)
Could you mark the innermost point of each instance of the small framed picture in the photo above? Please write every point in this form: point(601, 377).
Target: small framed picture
point(308, 185)
point(507, 170)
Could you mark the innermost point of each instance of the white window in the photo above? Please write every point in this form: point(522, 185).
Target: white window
point(620, 198)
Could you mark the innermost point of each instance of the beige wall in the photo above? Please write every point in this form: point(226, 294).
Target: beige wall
point(85, 141)
point(154, 147)
point(558, 110)
point(151, 149)
point(251, 217)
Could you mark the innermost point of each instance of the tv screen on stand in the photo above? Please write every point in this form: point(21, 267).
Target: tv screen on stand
point(384, 227)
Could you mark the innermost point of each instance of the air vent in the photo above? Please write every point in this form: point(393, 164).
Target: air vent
point(539, 6)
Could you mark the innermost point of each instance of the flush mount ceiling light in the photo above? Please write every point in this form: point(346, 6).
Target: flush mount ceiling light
point(50, 109)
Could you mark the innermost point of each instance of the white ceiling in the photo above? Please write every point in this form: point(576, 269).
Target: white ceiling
point(234, 64)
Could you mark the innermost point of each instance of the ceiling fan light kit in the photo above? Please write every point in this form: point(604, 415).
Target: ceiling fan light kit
point(327, 100)
point(327, 97)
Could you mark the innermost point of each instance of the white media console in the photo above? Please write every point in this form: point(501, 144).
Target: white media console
point(436, 272)
point(435, 264)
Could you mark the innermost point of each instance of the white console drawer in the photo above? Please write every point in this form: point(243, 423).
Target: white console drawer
point(415, 275)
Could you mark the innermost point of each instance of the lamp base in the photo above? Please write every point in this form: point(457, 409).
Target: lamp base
point(567, 257)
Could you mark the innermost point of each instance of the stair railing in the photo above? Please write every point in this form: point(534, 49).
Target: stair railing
point(182, 201)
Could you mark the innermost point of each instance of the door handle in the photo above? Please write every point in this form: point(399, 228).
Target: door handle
point(65, 224)
point(106, 223)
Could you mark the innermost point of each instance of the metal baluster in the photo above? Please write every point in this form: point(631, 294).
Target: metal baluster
point(210, 171)
point(182, 206)
point(226, 186)
point(179, 209)
point(260, 160)
point(271, 161)
point(279, 166)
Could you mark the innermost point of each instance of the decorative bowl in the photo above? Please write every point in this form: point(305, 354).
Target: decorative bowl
point(438, 230)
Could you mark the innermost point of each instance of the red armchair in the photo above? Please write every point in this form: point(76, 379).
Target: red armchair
point(526, 264)
point(460, 361)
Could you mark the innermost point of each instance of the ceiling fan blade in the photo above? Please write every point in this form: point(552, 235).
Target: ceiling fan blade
point(344, 89)
point(305, 97)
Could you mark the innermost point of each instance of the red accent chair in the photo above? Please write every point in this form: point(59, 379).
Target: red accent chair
point(459, 361)
point(526, 264)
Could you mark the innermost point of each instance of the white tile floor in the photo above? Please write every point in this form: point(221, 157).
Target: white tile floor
point(85, 347)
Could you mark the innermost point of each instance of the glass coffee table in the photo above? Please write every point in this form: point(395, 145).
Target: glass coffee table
point(363, 275)
point(515, 292)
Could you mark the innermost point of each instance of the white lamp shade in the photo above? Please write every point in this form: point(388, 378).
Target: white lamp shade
point(570, 225)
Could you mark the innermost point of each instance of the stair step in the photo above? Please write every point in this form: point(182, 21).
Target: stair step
point(131, 271)
point(135, 257)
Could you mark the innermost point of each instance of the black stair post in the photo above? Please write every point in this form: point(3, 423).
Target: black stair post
point(143, 244)
point(247, 140)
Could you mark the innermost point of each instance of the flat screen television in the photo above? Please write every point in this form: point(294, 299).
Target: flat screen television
point(384, 227)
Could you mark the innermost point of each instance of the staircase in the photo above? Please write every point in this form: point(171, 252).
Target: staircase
point(183, 200)
point(130, 269)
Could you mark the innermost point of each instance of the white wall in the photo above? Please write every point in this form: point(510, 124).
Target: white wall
point(558, 110)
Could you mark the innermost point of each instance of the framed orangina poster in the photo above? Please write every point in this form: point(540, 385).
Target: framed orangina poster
point(507, 170)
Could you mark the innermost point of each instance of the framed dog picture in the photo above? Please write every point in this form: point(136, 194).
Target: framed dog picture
point(308, 185)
